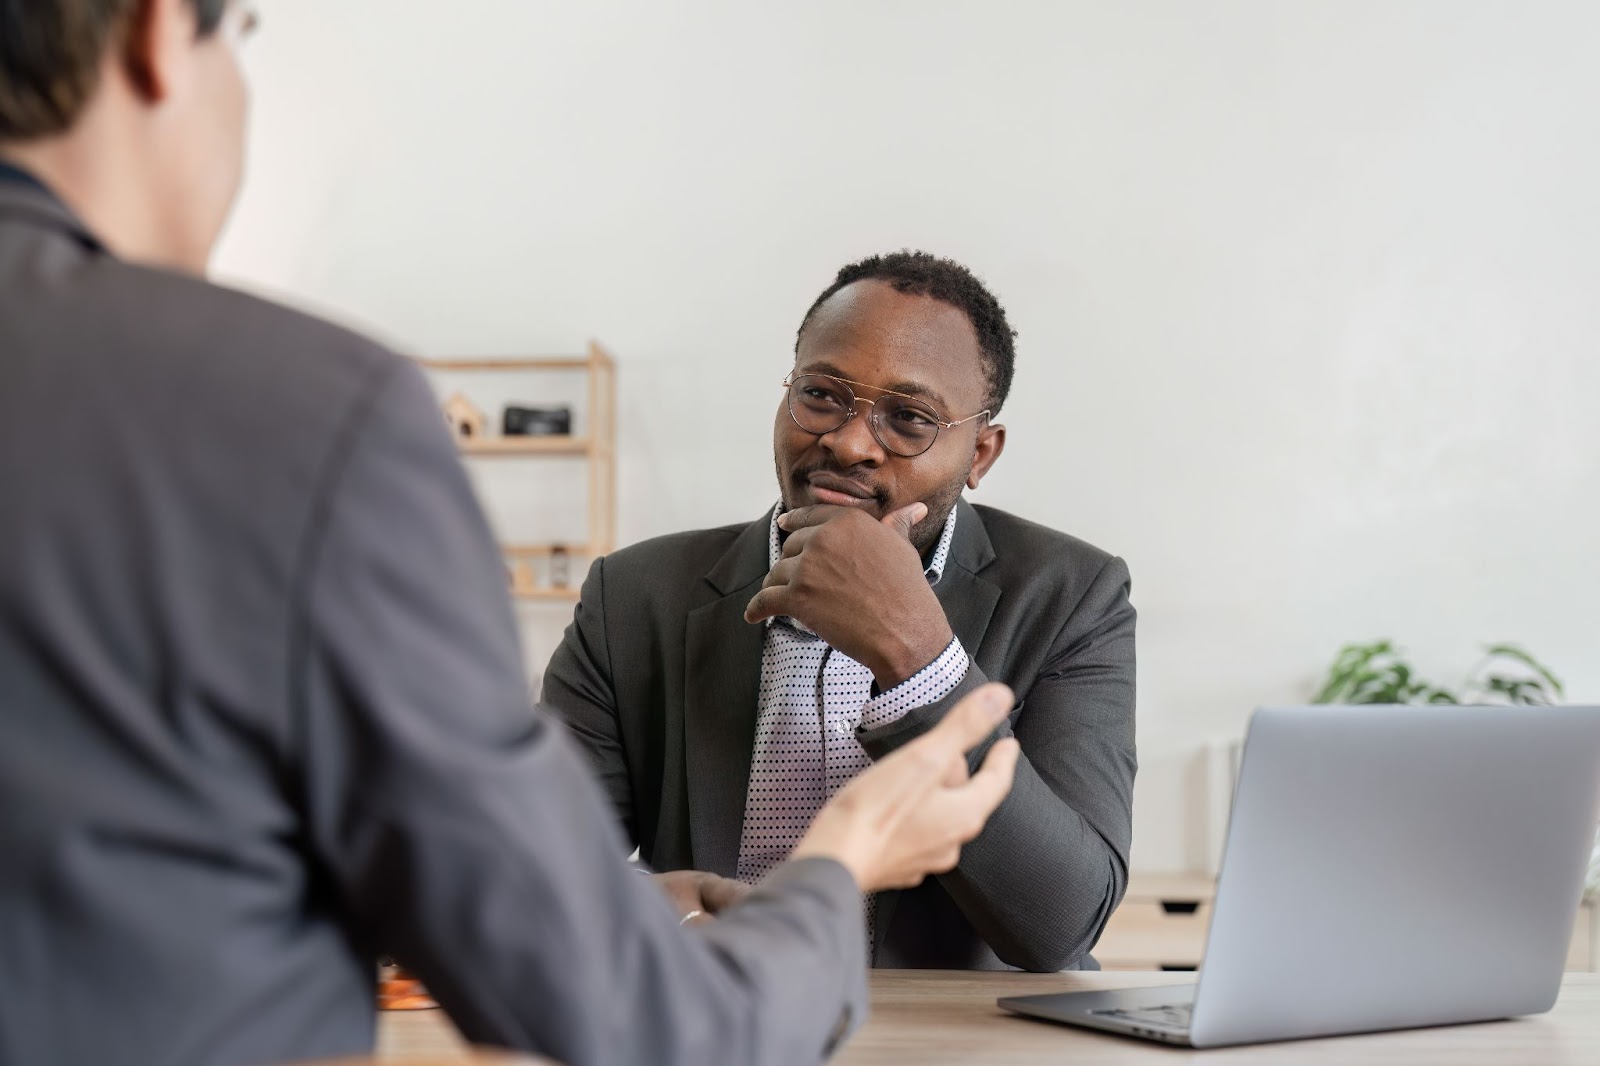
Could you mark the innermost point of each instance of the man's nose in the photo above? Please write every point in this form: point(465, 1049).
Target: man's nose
point(853, 442)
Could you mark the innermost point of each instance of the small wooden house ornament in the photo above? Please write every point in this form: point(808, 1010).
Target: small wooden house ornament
point(465, 420)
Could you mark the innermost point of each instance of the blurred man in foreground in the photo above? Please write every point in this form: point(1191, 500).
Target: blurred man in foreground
point(262, 714)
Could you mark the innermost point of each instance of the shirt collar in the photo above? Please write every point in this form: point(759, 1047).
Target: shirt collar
point(12, 174)
point(934, 570)
point(941, 552)
point(53, 210)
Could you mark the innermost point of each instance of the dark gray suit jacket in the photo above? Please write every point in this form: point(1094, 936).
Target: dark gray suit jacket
point(658, 677)
point(262, 718)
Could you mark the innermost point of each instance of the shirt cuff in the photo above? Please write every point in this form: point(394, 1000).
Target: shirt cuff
point(929, 685)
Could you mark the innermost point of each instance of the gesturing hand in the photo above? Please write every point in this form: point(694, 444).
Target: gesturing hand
point(698, 895)
point(908, 814)
point(858, 583)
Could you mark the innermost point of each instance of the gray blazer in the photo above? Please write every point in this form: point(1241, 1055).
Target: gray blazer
point(658, 678)
point(262, 718)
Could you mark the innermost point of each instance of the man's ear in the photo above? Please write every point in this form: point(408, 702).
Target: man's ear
point(991, 442)
point(156, 46)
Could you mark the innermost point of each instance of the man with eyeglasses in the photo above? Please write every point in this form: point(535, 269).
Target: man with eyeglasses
point(726, 682)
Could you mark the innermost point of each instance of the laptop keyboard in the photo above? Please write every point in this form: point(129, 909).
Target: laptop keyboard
point(1173, 1017)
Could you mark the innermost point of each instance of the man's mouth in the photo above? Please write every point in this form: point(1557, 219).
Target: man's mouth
point(840, 491)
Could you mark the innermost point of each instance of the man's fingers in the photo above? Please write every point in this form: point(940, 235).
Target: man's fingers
point(956, 774)
point(989, 787)
point(781, 574)
point(903, 519)
point(768, 603)
point(958, 814)
point(962, 811)
point(938, 757)
point(796, 542)
point(814, 515)
point(969, 721)
point(717, 894)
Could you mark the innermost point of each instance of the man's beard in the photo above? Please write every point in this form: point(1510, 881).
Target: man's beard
point(924, 535)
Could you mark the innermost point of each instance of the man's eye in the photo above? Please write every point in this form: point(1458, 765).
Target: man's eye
point(913, 417)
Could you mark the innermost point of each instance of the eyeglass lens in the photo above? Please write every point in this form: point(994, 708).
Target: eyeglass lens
point(821, 405)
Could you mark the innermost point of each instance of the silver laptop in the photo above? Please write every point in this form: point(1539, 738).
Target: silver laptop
point(1386, 868)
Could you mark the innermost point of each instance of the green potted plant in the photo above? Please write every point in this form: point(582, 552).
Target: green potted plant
point(1379, 673)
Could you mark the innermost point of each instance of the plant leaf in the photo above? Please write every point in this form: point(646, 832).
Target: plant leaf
point(1350, 668)
point(1519, 654)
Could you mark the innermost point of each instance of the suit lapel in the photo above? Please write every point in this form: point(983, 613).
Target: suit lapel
point(968, 599)
point(722, 679)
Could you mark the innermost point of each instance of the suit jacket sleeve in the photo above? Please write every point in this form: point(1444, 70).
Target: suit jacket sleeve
point(1052, 864)
point(457, 829)
point(578, 687)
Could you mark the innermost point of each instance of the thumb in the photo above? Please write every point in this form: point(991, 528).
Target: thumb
point(902, 520)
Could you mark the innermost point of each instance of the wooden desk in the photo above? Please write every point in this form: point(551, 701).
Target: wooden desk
point(942, 1016)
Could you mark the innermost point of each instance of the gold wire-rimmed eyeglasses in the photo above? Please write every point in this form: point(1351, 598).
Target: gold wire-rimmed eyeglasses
point(903, 424)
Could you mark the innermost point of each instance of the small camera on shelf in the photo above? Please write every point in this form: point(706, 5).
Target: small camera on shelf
point(537, 422)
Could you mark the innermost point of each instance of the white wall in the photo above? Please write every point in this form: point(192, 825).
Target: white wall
point(1306, 292)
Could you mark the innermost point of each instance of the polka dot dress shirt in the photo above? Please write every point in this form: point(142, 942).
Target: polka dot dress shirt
point(812, 700)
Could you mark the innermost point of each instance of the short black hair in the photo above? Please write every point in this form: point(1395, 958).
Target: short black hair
point(925, 274)
point(50, 56)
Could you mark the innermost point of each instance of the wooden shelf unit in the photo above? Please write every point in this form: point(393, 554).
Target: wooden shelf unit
point(598, 447)
point(526, 446)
